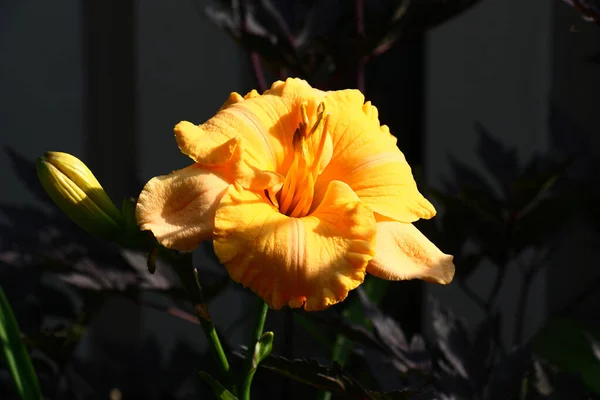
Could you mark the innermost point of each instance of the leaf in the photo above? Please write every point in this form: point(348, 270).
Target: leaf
point(353, 327)
point(506, 378)
point(550, 382)
point(589, 9)
point(564, 343)
point(218, 389)
point(310, 372)
point(453, 226)
point(594, 344)
point(411, 18)
point(474, 191)
point(351, 331)
point(15, 354)
point(314, 329)
point(271, 18)
point(473, 212)
point(499, 160)
point(255, 37)
point(531, 188)
point(406, 355)
point(546, 219)
point(484, 340)
point(453, 340)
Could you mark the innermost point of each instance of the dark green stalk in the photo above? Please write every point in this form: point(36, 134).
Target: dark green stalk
point(189, 279)
point(251, 364)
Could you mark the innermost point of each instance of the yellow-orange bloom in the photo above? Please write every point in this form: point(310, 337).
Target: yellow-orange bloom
point(302, 192)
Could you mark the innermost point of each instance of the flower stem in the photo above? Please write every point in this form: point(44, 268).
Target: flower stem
point(189, 278)
point(249, 365)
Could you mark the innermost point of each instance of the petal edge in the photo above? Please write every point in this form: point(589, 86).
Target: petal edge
point(311, 261)
point(179, 208)
point(403, 252)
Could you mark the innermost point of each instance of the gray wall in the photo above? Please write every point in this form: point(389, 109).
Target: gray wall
point(576, 92)
point(41, 101)
point(491, 65)
point(502, 64)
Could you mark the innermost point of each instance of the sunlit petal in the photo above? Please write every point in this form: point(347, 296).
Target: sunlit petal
point(403, 252)
point(366, 157)
point(228, 159)
point(179, 208)
point(255, 133)
point(311, 261)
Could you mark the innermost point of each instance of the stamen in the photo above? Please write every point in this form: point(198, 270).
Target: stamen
point(320, 113)
point(304, 117)
point(297, 193)
point(319, 152)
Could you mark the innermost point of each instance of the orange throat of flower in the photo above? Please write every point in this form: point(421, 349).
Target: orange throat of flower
point(295, 198)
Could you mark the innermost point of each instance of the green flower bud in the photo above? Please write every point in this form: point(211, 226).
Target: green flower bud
point(73, 187)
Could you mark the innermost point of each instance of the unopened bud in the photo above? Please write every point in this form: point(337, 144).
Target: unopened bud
point(73, 187)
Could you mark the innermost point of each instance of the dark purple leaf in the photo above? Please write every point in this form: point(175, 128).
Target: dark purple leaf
point(269, 15)
point(536, 183)
point(500, 160)
point(401, 21)
point(550, 382)
point(506, 378)
point(594, 344)
point(310, 372)
point(406, 355)
point(544, 221)
point(563, 342)
point(473, 189)
point(453, 341)
point(485, 339)
point(357, 333)
point(589, 9)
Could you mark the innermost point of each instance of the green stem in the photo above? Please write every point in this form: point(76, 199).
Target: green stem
point(353, 313)
point(250, 363)
point(189, 279)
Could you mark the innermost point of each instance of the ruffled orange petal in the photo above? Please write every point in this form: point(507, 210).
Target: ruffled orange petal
point(311, 261)
point(179, 208)
point(365, 156)
point(254, 134)
point(403, 252)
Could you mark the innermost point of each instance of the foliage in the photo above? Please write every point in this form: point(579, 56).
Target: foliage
point(326, 42)
point(57, 281)
point(589, 9)
point(453, 364)
point(14, 354)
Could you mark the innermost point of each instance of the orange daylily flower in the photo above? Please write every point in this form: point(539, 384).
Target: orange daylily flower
point(302, 192)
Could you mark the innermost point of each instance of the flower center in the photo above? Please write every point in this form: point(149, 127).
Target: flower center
point(295, 197)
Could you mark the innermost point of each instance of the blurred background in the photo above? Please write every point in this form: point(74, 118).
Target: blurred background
point(494, 103)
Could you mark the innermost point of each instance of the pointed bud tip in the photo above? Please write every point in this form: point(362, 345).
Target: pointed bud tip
point(73, 187)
